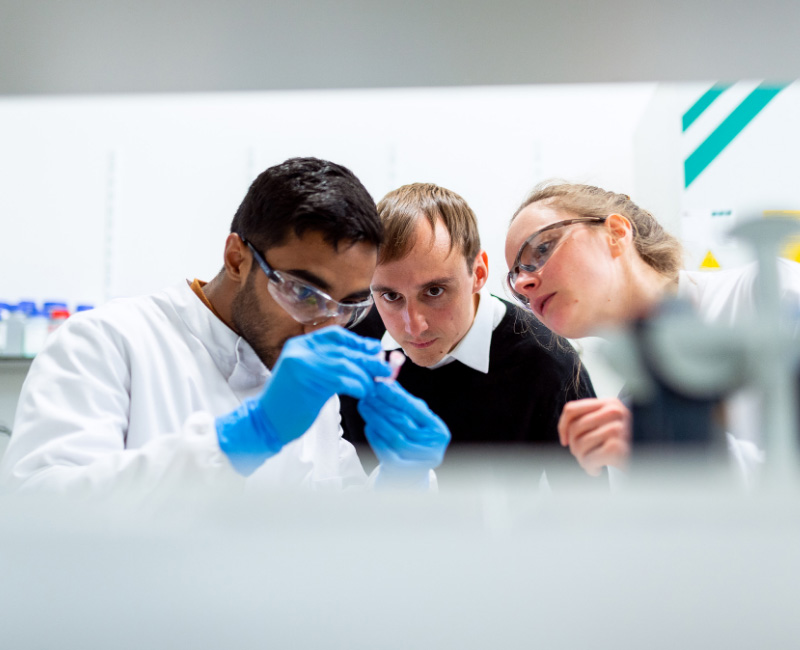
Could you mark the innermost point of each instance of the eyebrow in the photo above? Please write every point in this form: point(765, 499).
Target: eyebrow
point(309, 277)
point(358, 296)
point(430, 283)
point(319, 283)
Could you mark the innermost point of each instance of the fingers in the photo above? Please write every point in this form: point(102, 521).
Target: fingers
point(401, 428)
point(407, 412)
point(355, 385)
point(339, 336)
point(396, 398)
point(351, 375)
point(422, 428)
point(598, 433)
point(350, 349)
point(391, 445)
point(580, 416)
point(601, 449)
point(334, 360)
point(571, 412)
point(596, 420)
point(606, 445)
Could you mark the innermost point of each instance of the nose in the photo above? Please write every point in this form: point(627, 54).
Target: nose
point(527, 282)
point(414, 321)
point(318, 325)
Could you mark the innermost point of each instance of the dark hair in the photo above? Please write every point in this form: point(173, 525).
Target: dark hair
point(307, 194)
point(400, 209)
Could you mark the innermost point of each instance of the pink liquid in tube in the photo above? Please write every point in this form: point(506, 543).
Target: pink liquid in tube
point(396, 360)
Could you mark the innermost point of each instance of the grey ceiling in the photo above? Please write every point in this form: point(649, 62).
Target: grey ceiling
point(101, 46)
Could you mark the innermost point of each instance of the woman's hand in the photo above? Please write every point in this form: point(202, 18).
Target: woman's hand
point(597, 432)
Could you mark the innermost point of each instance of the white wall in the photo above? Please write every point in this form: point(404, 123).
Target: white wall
point(112, 196)
point(118, 195)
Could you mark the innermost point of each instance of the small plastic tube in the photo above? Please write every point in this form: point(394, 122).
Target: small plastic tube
point(396, 361)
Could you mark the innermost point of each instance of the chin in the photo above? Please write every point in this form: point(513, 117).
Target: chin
point(571, 332)
point(420, 358)
point(565, 329)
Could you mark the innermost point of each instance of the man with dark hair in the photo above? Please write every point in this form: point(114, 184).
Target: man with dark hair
point(236, 378)
point(490, 370)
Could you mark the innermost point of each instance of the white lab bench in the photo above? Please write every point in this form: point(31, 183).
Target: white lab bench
point(487, 563)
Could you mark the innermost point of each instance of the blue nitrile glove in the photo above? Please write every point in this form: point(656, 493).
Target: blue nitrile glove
point(310, 370)
point(407, 437)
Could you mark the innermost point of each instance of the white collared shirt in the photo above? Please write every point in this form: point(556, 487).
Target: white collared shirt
point(473, 349)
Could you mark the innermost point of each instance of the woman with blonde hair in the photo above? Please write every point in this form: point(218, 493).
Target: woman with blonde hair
point(583, 259)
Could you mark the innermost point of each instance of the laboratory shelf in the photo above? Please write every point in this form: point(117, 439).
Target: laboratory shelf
point(15, 362)
point(19, 361)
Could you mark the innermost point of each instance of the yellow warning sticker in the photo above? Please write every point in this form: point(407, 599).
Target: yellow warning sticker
point(709, 261)
point(791, 248)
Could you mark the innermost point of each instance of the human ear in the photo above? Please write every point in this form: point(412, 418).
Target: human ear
point(620, 233)
point(480, 271)
point(237, 263)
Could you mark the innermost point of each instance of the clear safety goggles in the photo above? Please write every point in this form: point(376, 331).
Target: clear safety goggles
point(538, 248)
point(305, 303)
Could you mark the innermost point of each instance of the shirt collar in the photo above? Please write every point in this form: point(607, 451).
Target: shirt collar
point(234, 357)
point(473, 349)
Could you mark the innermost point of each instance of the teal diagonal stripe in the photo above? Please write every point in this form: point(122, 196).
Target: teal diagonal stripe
point(731, 126)
point(703, 103)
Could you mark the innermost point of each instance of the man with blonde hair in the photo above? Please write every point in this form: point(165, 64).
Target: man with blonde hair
point(489, 369)
point(233, 382)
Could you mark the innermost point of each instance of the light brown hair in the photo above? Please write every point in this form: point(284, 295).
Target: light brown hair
point(400, 209)
point(655, 245)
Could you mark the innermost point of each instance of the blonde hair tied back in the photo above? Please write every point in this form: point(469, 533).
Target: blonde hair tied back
point(658, 248)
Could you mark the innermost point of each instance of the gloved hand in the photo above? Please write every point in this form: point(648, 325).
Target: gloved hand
point(310, 370)
point(407, 437)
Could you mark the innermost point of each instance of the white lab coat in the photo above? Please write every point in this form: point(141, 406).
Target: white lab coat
point(727, 297)
point(125, 397)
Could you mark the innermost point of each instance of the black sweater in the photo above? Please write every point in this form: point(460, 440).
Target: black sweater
point(518, 402)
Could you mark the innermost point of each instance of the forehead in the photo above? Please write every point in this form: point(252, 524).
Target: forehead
point(348, 263)
point(531, 218)
point(538, 215)
point(429, 256)
point(312, 247)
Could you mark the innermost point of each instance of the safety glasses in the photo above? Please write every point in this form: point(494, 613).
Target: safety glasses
point(538, 248)
point(305, 303)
